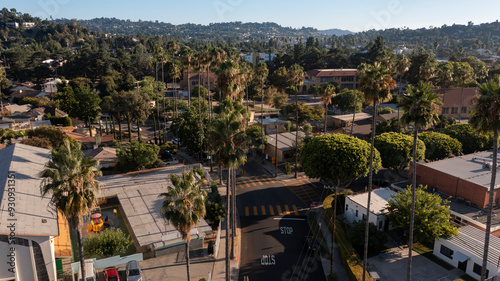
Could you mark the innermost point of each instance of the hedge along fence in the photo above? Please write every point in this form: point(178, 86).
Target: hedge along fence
point(350, 258)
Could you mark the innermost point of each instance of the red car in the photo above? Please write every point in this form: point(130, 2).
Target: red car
point(111, 274)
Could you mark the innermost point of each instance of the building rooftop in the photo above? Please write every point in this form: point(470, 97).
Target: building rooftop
point(106, 155)
point(471, 239)
point(378, 201)
point(269, 121)
point(286, 141)
point(138, 195)
point(453, 97)
point(34, 216)
point(473, 168)
point(348, 117)
point(332, 72)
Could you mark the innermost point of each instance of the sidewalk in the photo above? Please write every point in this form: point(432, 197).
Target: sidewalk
point(338, 267)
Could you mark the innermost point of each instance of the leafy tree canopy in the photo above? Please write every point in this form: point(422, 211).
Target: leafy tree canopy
point(471, 140)
point(396, 150)
point(137, 156)
point(432, 215)
point(439, 146)
point(108, 243)
point(346, 101)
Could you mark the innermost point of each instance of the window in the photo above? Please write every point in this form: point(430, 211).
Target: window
point(454, 110)
point(347, 78)
point(356, 213)
point(194, 83)
point(464, 109)
point(364, 216)
point(346, 207)
point(326, 79)
point(380, 224)
point(445, 251)
point(477, 270)
point(446, 110)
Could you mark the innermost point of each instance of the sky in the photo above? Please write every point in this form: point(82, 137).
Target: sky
point(354, 15)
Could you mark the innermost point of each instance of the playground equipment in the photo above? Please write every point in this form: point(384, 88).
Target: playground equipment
point(96, 223)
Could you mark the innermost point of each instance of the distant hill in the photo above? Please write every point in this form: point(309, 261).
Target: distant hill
point(336, 32)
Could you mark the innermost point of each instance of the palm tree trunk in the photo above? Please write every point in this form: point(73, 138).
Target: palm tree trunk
point(461, 102)
point(199, 117)
point(80, 250)
point(370, 181)
point(326, 113)
point(120, 127)
point(412, 215)
point(189, 88)
point(187, 258)
point(296, 132)
point(490, 205)
point(262, 118)
point(139, 131)
point(334, 229)
point(233, 215)
point(209, 99)
point(164, 120)
point(100, 127)
point(113, 126)
point(129, 128)
point(154, 128)
point(89, 125)
point(228, 209)
point(354, 114)
point(248, 118)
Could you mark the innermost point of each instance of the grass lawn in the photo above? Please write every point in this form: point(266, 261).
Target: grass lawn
point(427, 252)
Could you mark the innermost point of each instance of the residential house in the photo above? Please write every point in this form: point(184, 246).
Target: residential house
point(457, 102)
point(39, 112)
point(255, 58)
point(286, 143)
point(89, 142)
point(402, 50)
point(346, 78)
point(28, 24)
point(12, 24)
point(355, 207)
point(29, 224)
point(51, 85)
point(269, 125)
point(465, 252)
point(193, 80)
point(106, 156)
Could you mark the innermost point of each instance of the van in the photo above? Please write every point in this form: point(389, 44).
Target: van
point(89, 271)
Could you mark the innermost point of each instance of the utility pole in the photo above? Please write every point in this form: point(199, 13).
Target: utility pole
point(276, 152)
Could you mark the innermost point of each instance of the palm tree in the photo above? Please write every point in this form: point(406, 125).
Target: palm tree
point(420, 108)
point(187, 60)
point(402, 66)
point(485, 117)
point(327, 91)
point(184, 205)
point(261, 73)
point(229, 141)
point(70, 180)
point(377, 84)
point(295, 77)
point(229, 79)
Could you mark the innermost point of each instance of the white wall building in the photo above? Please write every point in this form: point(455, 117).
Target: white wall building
point(28, 224)
point(355, 207)
point(465, 251)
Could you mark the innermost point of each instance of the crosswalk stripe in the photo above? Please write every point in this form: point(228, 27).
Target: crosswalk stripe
point(279, 210)
point(247, 212)
point(295, 210)
point(260, 183)
point(271, 210)
point(287, 210)
point(247, 184)
point(255, 213)
point(263, 210)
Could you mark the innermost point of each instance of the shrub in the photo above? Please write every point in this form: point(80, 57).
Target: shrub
point(439, 146)
point(108, 243)
point(396, 150)
point(471, 140)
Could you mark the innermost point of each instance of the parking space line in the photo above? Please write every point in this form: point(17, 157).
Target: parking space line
point(255, 213)
point(247, 212)
point(279, 210)
point(263, 210)
point(271, 210)
point(295, 210)
point(287, 210)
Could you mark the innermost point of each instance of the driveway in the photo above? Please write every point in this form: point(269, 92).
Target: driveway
point(392, 267)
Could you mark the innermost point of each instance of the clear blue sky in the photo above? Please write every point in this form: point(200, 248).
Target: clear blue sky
point(355, 15)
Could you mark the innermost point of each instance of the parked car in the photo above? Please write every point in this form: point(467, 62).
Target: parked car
point(177, 142)
point(111, 274)
point(167, 155)
point(89, 271)
point(135, 129)
point(171, 161)
point(311, 243)
point(133, 271)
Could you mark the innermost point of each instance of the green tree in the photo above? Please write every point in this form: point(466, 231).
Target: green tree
point(485, 118)
point(108, 243)
point(215, 210)
point(377, 83)
point(420, 108)
point(349, 100)
point(396, 150)
point(69, 179)
point(137, 156)
point(337, 160)
point(87, 106)
point(432, 215)
point(377, 238)
point(305, 112)
point(184, 205)
point(439, 146)
point(470, 140)
point(254, 136)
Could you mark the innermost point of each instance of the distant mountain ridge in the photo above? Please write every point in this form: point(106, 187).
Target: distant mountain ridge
point(336, 32)
point(225, 30)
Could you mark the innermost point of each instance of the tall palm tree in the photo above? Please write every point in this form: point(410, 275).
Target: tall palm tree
point(229, 79)
point(295, 77)
point(184, 205)
point(70, 181)
point(485, 117)
point(187, 57)
point(229, 142)
point(377, 84)
point(327, 91)
point(420, 108)
point(402, 66)
point(261, 73)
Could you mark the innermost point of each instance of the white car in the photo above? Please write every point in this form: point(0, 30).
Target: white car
point(177, 142)
point(134, 129)
point(133, 271)
point(171, 161)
